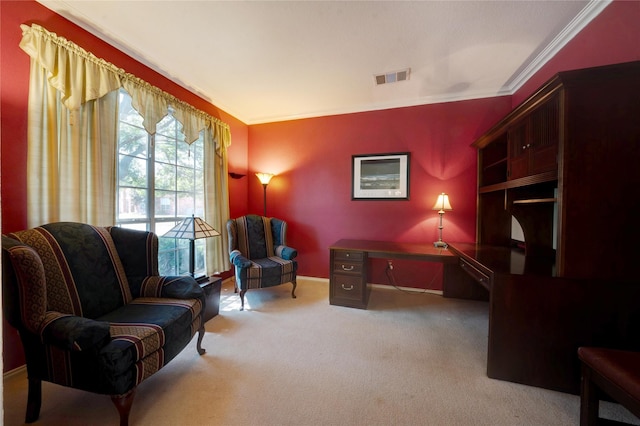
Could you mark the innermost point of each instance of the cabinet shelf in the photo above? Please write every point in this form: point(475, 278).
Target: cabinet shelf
point(496, 163)
point(535, 201)
point(515, 183)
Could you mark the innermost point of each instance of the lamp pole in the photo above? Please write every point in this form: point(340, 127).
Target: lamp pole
point(264, 197)
point(264, 180)
point(192, 256)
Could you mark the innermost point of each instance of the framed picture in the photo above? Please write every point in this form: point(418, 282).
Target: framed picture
point(380, 176)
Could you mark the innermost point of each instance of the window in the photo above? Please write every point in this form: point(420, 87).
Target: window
point(160, 181)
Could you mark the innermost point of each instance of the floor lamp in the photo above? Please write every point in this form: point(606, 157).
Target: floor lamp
point(265, 178)
point(442, 204)
point(192, 228)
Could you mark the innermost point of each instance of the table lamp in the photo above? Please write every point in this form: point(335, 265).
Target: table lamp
point(442, 204)
point(191, 228)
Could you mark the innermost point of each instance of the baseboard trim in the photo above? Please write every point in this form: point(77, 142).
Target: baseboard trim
point(317, 279)
point(16, 371)
point(407, 289)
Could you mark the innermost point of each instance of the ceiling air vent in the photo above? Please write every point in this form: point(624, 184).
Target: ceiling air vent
point(392, 77)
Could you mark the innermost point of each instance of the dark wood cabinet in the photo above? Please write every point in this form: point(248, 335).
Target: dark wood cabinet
point(348, 283)
point(565, 165)
point(534, 140)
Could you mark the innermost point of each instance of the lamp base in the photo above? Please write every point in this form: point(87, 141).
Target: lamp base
point(440, 244)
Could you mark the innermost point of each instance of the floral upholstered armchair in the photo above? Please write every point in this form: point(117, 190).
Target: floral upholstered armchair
point(259, 252)
point(92, 311)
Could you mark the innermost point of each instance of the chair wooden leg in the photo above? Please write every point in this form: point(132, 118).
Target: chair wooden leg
point(242, 292)
point(123, 404)
point(589, 399)
point(34, 400)
point(201, 350)
point(293, 290)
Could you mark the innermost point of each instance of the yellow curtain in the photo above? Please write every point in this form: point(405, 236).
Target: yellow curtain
point(71, 164)
point(217, 140)
point(77, 74)
point(72, 137)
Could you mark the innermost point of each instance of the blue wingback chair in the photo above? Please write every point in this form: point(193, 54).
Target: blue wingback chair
point(92, 311)
point(259, 252)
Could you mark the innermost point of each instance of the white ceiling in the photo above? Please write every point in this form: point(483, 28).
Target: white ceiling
point(264, 61)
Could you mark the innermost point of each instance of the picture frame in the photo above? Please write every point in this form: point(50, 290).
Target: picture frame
point(380, 176)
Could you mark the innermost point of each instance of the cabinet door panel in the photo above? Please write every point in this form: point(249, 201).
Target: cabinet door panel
point(518, 151)
point(544, 159)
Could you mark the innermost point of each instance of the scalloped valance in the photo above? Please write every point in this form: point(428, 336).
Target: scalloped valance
point(80, 76)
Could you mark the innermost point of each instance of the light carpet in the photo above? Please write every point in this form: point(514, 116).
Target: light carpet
point(409, 359)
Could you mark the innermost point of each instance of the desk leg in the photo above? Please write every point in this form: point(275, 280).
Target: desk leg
point(457, 284)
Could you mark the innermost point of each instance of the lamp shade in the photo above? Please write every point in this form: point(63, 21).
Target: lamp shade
point(265, 178)
point(442, 203)
point(192, 228)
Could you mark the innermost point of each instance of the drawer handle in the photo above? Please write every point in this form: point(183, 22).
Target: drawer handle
point(347, 268)
point(348, 289)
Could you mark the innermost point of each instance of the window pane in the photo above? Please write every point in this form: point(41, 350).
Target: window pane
point(198, 149)
point(132, 171)
point(132, 203)
point(199, 206)
point(199, 181)
point(161, 229)
point(132, 140)
point(165, 150)
point(168, 126)
point(161, 180)
point(182, 266)
point(185, 204)
point(199, 255)
point(165, 203)
point(186, 154)
point(185, 179)
point(165, 176)
point(167, 262)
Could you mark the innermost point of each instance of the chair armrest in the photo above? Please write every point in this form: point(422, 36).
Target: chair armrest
point(178, 287)
point(24, 286)
point(287, 253)
point(238, 260)
point(74, 333)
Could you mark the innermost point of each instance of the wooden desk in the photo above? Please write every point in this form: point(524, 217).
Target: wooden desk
point(348, 263)
point(538, 320)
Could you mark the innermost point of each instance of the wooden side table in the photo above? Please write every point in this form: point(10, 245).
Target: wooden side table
point(212, 287)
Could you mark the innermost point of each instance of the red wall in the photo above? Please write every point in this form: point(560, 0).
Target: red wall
point(612, 37)
point(312, 189)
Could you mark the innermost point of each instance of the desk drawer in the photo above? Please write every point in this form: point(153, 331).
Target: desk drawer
point(476, 274)
point(347, 267)
point(347, 287)
point(352, 255)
